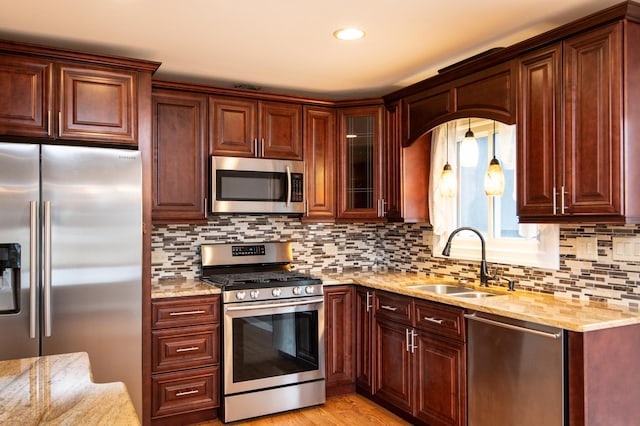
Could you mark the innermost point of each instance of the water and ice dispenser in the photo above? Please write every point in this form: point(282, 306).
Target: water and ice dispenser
point(9, 278)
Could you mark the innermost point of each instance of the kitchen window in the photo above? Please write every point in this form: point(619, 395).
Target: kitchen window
point(508, 242)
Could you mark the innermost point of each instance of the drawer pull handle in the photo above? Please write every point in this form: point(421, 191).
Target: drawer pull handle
point(176, 314)
point(436, 320)
point(389, 308)
point(185, 393)
point(192, 348)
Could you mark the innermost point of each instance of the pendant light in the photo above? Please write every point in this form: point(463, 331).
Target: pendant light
point(448, 184)
point(494, 179)
point(469, 149)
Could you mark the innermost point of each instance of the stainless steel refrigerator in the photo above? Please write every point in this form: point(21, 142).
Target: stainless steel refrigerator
point(70, 257)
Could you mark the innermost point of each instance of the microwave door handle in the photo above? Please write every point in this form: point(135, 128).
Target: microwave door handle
point(288, 186)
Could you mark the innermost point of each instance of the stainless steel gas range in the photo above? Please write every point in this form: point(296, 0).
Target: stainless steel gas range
point(273, 338)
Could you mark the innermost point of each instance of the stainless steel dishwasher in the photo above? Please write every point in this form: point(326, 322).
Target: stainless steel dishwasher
point(516, 374)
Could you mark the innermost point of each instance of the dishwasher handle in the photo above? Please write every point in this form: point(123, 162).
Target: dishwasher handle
point(474, 317)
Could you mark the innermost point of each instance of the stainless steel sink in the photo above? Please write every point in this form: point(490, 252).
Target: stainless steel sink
point(473, 294)
point(440, 288)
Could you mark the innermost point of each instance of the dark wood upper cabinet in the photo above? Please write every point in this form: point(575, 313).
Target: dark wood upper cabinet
point(392, 162)
point(320, 163)
point(242, 127)
point(488, 93)
point(280, 130)
point(179, 157)
point(232, 126)
point(539, 125)
point(70, 96)
point(360, 167)
point(97, 104)
point(574, 119)
point(25, 104)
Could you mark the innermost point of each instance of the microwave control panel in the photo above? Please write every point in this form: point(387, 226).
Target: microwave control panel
point(297, 186)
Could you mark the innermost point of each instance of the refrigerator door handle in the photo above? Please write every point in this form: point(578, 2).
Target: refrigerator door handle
point(33, 267)
point(47, 268)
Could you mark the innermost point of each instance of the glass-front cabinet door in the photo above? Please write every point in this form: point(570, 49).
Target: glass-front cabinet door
point(359, 182)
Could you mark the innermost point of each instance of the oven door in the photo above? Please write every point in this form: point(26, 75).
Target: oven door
point(270, 344)
point(256, 185)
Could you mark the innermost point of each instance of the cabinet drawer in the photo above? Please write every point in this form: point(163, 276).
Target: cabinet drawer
point(394, 307)
point(185, 347)
point(185, 311)
point(438, 319)
point(175, 393)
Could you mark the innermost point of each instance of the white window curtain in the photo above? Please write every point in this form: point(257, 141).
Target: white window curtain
point(541, 245)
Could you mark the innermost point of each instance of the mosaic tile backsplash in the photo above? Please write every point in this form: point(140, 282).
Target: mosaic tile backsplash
point(404, 247)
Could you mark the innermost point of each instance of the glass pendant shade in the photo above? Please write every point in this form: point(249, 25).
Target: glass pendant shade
point(448, 182)
point(494, 179)
point(469, 150)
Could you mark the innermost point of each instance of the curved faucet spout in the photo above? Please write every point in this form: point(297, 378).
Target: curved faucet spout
point(484, 274)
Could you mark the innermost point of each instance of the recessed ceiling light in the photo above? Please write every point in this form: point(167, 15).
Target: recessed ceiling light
point(348, 34)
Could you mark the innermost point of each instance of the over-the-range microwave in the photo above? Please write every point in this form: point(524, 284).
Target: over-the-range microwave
point(256, 185)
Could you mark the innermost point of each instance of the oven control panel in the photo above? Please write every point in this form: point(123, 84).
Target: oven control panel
point(253, 250)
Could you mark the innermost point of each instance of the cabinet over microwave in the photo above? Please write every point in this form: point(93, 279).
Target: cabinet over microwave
point(256, 185)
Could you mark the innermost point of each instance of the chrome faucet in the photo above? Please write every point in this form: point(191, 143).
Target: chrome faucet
point(484, 274)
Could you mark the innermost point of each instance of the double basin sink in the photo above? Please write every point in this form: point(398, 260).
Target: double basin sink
point(458, 291)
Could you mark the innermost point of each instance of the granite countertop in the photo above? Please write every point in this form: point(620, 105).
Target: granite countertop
point(180, 287)
point(58, 390)
point(562, 312)
point(556, 311)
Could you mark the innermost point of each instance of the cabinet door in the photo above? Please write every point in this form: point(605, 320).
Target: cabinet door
point(232, 123)
point(338, 305)
point(394, 375)
point(539, 132)
point(364, 346)
point(25, 103)
point(320, 158)
point(440, 381)
point(97, 104)
point(359, 153)
point(392, 178)
point(179, 157)
point(593, 108)
point(280, 130)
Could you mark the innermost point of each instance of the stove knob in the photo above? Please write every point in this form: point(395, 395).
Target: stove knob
point(276, 292)
point(241, 295)
point(254, 294)
point(297, 291)
point(309, 289)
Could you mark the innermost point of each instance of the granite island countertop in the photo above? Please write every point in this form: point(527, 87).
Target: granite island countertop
point(564, 312)
point(58, 390)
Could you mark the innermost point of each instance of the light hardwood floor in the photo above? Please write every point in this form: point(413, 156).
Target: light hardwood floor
point(351, 409)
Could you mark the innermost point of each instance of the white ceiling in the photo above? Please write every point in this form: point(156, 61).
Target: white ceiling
point(286, 46)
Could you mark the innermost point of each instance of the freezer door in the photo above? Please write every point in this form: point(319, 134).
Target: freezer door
point(19, 192)
point(92, 254)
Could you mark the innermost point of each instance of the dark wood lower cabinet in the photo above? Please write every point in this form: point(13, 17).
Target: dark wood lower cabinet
point(185, 379)
point(419, 359)
point(440, 379)
point(394, 365)
point(339, 341)
point(364, 340)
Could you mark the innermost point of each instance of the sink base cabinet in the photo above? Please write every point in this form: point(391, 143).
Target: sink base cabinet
point(394, 365)
point(420, 360)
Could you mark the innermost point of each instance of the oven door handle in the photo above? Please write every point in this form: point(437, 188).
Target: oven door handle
point(274, 305)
